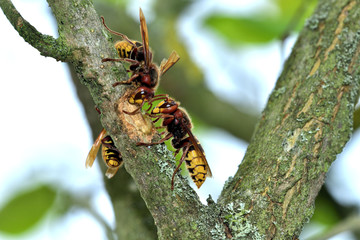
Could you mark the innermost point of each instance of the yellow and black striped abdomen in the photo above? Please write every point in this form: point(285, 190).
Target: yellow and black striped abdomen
point(111, 156)
point(196, 166)
point(126, 49)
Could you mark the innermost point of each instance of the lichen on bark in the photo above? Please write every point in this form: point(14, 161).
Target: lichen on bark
point(306, 123)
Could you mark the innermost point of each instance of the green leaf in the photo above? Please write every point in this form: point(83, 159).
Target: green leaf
point(262, 27)
point(296, 11)
point(26, 209)
point(246, 29)
point(325, 210)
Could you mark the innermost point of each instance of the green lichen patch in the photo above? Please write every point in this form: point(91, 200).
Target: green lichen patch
point(234, 216)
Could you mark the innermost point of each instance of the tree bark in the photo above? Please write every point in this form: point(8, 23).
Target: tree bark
point(306, 123)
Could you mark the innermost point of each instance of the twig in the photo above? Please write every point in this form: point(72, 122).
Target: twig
point(349, 224)
point(47, 45)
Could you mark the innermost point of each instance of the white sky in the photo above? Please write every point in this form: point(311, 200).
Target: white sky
point(40, 108)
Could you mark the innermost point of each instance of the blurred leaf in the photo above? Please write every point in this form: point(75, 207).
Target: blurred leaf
point(289, 8)
point(246, 30)
point(26, 209)
point(122, 3)
point(296, 11)
point(325, 210)
point(262, 27)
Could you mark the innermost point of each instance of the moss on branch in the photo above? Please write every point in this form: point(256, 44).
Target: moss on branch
point(47, 45)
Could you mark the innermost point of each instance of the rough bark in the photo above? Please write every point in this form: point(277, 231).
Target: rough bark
point(306, 123)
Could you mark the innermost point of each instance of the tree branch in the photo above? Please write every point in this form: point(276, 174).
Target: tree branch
point(307, 122)
point(47, 45)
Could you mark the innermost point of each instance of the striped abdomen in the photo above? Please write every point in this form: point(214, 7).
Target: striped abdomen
point(197, 166)
point(110, 155)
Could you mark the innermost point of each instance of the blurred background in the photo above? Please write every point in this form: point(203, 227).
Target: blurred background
point(231, 55)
